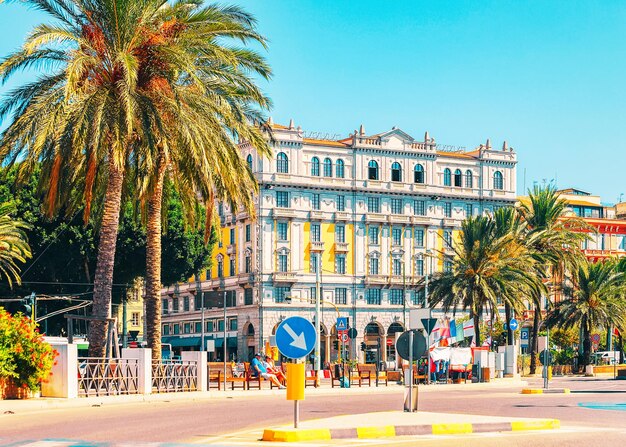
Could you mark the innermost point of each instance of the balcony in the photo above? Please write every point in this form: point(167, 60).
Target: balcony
point(317, 246)
point(375, 217)
point(284, 277)
point(316, 215)
point(420, 220)
point(231, 249)
point(341, 247)
point(376, 280)
point(245, 278)
point(342, 216)
point(448, 222)
point(399, 219)
point(284, 213)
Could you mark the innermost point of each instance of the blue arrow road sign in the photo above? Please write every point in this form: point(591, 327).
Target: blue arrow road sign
point(342, 323)
point(295, 337)
point(513, 324)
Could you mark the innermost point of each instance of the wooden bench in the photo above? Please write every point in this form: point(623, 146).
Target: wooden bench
point(216, 375)
point(367, 372)
point(417, 377)
point(335, 376)
point(251, 378)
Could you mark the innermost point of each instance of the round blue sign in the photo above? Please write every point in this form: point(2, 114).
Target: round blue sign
point(295, 337)
point(513, 324)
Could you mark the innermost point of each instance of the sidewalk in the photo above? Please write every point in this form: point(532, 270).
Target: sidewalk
point(47, 403)
point(397, 423)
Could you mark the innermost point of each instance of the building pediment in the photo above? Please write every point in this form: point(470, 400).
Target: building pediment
point(396, 138)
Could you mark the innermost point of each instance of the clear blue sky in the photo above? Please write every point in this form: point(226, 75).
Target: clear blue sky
point(547, 76)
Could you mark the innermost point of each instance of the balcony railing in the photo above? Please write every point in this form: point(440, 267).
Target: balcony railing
point(376, 280)
point(316, 215)
point(342, 215)
point(375, 217)
point(283, 212)
point(317, 246)
point(399, 219)
point(289, 277)
point(341, 247)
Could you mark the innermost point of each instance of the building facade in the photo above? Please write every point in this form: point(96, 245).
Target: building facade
point(378, 210)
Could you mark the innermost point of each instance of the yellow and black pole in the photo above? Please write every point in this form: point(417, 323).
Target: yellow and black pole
point(295, 388)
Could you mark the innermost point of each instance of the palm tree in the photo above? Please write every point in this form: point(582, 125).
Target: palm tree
point(200, 157)
point(108, 74)
point(597, 301)
point(554, 238)
point(485, 267)
point(13, 244)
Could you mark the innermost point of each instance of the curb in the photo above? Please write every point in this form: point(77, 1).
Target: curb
point(387, 431)
point(543, 391)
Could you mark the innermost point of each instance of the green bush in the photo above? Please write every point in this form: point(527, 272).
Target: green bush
point(25, 357)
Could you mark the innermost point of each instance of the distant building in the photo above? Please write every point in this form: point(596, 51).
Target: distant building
point(376, 208)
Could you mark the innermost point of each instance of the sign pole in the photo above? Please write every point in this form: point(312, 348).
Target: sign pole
point(296, 413)
point(225, 340)
point(411, 371)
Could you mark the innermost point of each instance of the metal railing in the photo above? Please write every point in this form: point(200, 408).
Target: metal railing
point(174, 376)
point(107, 377)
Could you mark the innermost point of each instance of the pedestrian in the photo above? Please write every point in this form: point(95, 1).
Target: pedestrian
point(273, 369)
point(259, 369)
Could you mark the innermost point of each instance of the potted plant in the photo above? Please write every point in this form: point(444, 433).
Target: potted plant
point(26, 360)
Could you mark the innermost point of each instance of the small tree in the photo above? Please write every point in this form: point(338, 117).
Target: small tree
point(13, 244)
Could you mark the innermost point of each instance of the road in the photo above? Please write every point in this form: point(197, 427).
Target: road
point(215, 420)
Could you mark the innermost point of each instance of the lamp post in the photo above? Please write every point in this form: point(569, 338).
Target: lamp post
point(318, 299)
point(428, 254)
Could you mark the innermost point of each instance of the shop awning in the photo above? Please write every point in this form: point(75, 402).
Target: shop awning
point(232, 342)
point(185, 341)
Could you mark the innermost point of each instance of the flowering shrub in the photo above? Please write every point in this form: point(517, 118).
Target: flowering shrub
point(24, 356)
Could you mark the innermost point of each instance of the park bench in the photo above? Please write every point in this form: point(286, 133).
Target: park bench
point(367, 372)
point(255, 380)
point(216, 375)
point(335, 376)
point(417, 377)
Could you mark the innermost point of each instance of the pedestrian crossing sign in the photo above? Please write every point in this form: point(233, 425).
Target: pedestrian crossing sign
point(342, 324)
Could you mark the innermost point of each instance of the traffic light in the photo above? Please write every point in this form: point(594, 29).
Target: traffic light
point(363, 346)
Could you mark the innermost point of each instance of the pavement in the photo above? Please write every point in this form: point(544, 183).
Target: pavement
point(396, 423)
point(51, 403)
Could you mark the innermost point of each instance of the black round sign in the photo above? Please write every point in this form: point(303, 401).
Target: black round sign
point(419, 345)
point(352, 333)
point(546, 357)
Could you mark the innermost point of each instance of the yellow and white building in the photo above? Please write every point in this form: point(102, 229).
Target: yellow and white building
point(376, 208)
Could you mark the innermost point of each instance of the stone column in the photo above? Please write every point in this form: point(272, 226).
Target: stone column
point(201, 361)
point(144, 367)
point(64, 379)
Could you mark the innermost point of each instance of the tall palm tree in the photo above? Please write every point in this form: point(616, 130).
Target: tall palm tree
point(109, 74)
point(597, 301)
point(13, 244)
point(210, 98)
point(554, 238)
point(485, 267)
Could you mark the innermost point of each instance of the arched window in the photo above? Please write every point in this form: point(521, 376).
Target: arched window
point(447, 177)
point(372, 170)
point(498, 180)
point(468, 179)
point(418, 174)
point(249, 161)
point(315, 166)
point(328, 167)
point(339, 169)
point(458, 178)
point(396, 172)
point(282, 163)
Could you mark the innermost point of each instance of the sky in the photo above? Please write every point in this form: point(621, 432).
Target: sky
point(548, 77)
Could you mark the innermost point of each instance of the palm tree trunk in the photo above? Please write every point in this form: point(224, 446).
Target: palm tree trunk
point(587, 344)
point(476, 318)
point(509, 332)
point(103, 277)
point(534, 341)
point(153, 263)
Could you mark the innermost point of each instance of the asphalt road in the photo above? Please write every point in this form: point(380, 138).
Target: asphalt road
point(217, 419)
